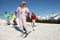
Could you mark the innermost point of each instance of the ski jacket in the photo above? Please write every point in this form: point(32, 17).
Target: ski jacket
point(13, 17)
point(6, 16)
point(22, 12)
point(33, 17)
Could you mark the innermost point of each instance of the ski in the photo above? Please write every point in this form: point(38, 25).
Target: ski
point(22, 35)
point(26, 34)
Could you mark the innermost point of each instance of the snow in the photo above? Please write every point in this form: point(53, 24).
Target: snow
point(48, 17)
point(57, 17)
point(42, 31)
point(52, 15)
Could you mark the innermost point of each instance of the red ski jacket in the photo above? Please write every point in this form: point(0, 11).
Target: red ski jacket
point(33, 17)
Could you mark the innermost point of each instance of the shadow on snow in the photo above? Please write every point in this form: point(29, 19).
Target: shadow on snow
point(17, 28)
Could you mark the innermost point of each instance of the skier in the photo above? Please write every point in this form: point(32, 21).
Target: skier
point(6, 16)
point(22, 11)
point(14, 19)
point(33, 17)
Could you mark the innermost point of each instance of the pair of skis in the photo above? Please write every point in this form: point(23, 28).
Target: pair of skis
point(24, 35)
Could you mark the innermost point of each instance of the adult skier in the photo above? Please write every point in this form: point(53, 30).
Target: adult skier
point(22, 11)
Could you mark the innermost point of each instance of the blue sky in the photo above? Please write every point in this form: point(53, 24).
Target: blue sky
point(39, 7)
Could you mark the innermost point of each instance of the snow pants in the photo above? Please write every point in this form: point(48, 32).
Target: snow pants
point(22, 23)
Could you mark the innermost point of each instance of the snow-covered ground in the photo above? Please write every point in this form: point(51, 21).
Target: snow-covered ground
point(42, 32)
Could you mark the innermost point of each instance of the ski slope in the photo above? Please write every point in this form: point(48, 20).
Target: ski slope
point(42, 32)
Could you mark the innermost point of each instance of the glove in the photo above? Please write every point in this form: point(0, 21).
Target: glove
point(15, 13)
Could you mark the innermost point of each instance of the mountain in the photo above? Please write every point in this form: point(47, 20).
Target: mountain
point(55, 16)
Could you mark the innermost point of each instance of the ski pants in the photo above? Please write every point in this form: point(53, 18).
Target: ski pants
point(22, 23)
point(33, 22)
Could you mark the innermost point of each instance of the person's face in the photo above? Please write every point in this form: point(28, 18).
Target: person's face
point(33, 14)
point(23, 5)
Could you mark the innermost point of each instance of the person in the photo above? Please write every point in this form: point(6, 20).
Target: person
point(14, 19)
point(6, 16)
point(33, 17)
point(22, 11)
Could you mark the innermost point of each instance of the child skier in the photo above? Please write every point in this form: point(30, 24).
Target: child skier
point(6, 16)
point(22, 11)
point(33, 17)
point(14, 19)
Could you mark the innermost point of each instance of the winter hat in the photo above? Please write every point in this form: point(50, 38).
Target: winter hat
point(23, 3)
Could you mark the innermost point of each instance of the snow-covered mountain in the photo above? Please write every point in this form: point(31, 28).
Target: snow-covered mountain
point(55, 16)
point(41, 18)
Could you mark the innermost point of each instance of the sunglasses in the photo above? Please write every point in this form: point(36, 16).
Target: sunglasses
point(23, 4)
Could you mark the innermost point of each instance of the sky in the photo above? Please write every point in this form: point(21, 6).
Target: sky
point(39, 7)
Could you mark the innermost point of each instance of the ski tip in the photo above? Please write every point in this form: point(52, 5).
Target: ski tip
point(33, 30)
point(25, 35)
